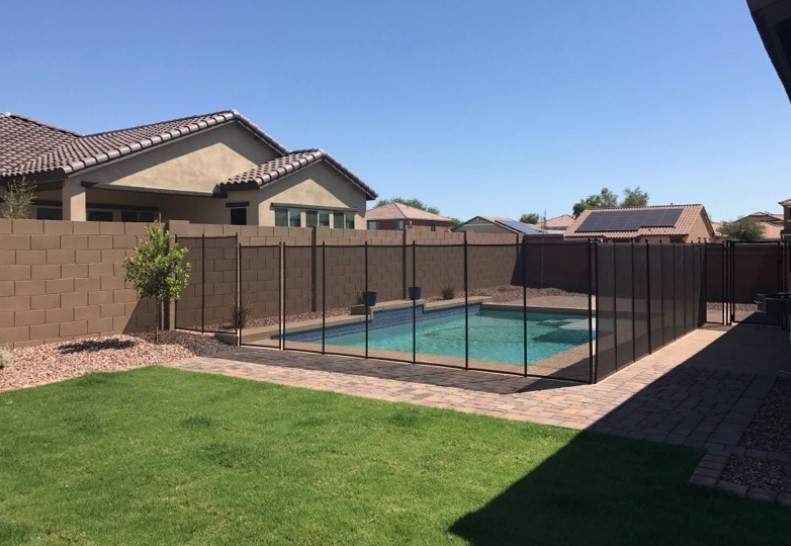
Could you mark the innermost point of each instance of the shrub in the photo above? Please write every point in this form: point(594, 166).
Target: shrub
point(18, 199)
point(239, 317)
point(448, 292)
point(6, 357)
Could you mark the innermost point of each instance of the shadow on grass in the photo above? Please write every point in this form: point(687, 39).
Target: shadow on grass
point(95, 345)
point(608, 490)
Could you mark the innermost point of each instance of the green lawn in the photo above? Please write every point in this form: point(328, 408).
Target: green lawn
point(160, 456)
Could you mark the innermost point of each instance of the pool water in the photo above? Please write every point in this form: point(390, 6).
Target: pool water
point(494, 334)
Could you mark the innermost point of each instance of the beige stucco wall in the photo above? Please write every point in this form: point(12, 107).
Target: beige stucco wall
point(699, 232)
point(195, 163)
point(318, 185)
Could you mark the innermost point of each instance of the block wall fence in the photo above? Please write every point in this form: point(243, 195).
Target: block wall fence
point(62, 280)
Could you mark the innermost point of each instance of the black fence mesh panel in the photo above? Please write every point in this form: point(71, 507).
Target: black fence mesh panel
point(623, 304)
point(550, 267)
point(654, 256)
point(441, 333)
point(606, 363)
point(668, 294)
point(259, 295)
point(496, 337)
point(641, 299)
point(189, 307)
point(390, 328)
point(680, 290)
point(300, 297)
point(220, 284)
point(715, 272)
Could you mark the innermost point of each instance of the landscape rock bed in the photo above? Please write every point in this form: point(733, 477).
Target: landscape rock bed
point(38, 365)
point(768, 434)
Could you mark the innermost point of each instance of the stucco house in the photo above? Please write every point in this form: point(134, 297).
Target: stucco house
point(496, 224)
point(216, 168)
point(399, 216)
point(656, 224)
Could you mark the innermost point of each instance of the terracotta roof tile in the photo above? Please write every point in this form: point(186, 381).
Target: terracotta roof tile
point(399, 211)
point(52, 149)
point(269, 172)
point(683, 226)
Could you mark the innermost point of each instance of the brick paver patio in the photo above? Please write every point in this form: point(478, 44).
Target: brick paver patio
point(700, 391)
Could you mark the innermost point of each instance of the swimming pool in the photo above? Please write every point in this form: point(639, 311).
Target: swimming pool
point(495, 334)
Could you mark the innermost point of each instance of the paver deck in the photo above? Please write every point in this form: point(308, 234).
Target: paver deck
point(701, 390)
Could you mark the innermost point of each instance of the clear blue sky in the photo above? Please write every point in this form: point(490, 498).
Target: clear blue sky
point(476, 107)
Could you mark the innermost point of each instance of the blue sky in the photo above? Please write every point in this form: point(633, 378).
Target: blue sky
point(475, 107)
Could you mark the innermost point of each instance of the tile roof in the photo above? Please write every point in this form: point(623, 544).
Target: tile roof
point(277, 168)
point(786, 202)
point(23, 138)
point(683, 226)
point(512, 225)
point(399, 211)
point(49, 149)
point(562, 221)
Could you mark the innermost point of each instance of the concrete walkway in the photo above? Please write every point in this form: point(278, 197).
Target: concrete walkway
point(700, 391)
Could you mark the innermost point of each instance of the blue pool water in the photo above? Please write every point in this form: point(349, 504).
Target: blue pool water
point(494, 334)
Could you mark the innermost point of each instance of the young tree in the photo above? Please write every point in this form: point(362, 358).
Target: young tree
point(742, 231)
point(603, 200)
point(18, 199)
point(157, 270)
point(529, 218)
point(414, 203)
point(634, 198)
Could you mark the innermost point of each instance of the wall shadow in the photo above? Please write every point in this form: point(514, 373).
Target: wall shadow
point(581, 494)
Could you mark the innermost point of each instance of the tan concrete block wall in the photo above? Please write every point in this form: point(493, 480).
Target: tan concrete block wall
point(63, 280)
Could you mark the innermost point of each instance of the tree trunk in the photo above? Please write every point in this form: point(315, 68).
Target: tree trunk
point(159, 320)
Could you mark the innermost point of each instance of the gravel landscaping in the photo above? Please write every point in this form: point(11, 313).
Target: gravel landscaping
point(32, 366)
point(769, 431)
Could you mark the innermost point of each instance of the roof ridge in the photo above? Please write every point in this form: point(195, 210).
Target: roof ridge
point(649, 207)
point(232, 112)
point(40, 123)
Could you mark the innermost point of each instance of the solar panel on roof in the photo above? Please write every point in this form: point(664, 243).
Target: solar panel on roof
point(628, 220)
point(519, 226)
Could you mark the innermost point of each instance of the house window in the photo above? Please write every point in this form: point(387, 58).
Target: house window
point(338, 221)
point(99, 215)
point(324, 218)
point(311, 218)
point(349, 220)
point(281, 217)
point(295, 217)
point(239, 216)
point(399, 224)
point(433, 226)
point(373, 224)
point(138, 216)
point(49, 213)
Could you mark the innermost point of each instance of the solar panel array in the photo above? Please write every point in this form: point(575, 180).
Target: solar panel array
point(629, 220)
point(519, 226)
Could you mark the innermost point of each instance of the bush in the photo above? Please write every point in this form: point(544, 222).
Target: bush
point(448, 292)
point(18, 199)
point(6, 357)
point(239, 317)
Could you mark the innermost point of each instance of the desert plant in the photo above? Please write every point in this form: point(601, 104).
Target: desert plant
point(6, 356)
point(448, 292)
point(239, 317)
point(18, 199)
point(157, 270)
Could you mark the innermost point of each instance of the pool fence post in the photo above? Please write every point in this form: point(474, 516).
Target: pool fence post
point(662, 286)
point(466, 310)
point(367, 308)
point(237, 291)
point(323, 296)
point(203, 284)
point(414, 300)
point(634, 325)
point(592, 377)
point(284, 297)
point(524, 299)
point(595, 363)
point(615, 300)
point(648, 294)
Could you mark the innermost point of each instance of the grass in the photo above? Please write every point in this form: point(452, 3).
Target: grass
point(160, 456)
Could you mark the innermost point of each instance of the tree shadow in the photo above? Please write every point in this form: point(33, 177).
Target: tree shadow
point(96, 345)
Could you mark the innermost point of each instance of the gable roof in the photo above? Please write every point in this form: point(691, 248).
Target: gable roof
point(277, 168)
point(24, 138)
point(689, 214)
point(562, 221)
point(763, 216)
point(508, 224)
point(399, 211)
point(785, 202)
point(49, 149)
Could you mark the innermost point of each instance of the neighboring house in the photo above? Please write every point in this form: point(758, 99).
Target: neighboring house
point(772, 224)
point(400, 216)
point(493, 224)
point(665, 224)
point(556, 225)
point(216, 168)
point(786, 219)
point(773, 21)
